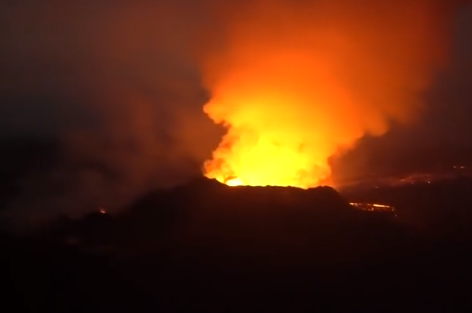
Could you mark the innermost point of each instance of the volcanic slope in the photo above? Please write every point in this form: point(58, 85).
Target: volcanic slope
point(207, 218)
point(203, 246)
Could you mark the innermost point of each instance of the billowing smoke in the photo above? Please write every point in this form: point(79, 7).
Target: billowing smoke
point(116, 85)
point(121, 86)
point(297, 82)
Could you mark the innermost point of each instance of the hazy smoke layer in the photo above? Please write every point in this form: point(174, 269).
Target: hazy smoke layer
point(117, 84)
point(298, 81)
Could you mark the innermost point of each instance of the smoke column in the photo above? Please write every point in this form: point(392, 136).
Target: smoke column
point(116, 84)
point(121, 86)
point(296, 82)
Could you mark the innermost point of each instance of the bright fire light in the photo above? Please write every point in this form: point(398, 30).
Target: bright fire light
point(234, 182)
point(296, 84)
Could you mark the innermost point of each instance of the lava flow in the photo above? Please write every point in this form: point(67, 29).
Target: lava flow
point(297, 82)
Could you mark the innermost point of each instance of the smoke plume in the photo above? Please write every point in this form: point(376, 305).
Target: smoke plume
point(116, 84)
point(121, 86)
point(297, 82)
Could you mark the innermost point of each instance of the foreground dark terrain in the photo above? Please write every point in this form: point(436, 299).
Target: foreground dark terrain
point(206, 247)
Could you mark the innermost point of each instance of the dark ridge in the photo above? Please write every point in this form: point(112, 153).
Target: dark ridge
point(245, 219)
point(207, 247)
point(202, 183)
point(441, 208)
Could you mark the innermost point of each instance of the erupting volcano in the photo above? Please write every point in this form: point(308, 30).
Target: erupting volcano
point(296, 83)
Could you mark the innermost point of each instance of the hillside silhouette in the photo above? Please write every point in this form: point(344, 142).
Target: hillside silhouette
point(205, 246)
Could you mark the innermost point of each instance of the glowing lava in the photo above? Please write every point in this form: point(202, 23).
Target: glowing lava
point(270, 158)
point(233, 182)
point(296, 82)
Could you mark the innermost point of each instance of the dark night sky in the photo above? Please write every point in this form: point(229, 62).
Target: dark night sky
point(117, 82)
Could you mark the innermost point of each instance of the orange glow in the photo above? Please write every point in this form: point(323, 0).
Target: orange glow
point(234, 182)
point(373, 207)
point(297, 83)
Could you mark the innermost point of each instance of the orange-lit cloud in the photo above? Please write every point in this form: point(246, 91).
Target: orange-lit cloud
point(295, 82)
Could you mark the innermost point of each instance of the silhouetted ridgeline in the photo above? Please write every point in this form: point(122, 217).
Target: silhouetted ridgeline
point(208, 247)
point(440, 208)
point(205, 213)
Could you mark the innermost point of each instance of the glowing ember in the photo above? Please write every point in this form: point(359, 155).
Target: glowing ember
point(102, 211)
point(375, 207)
